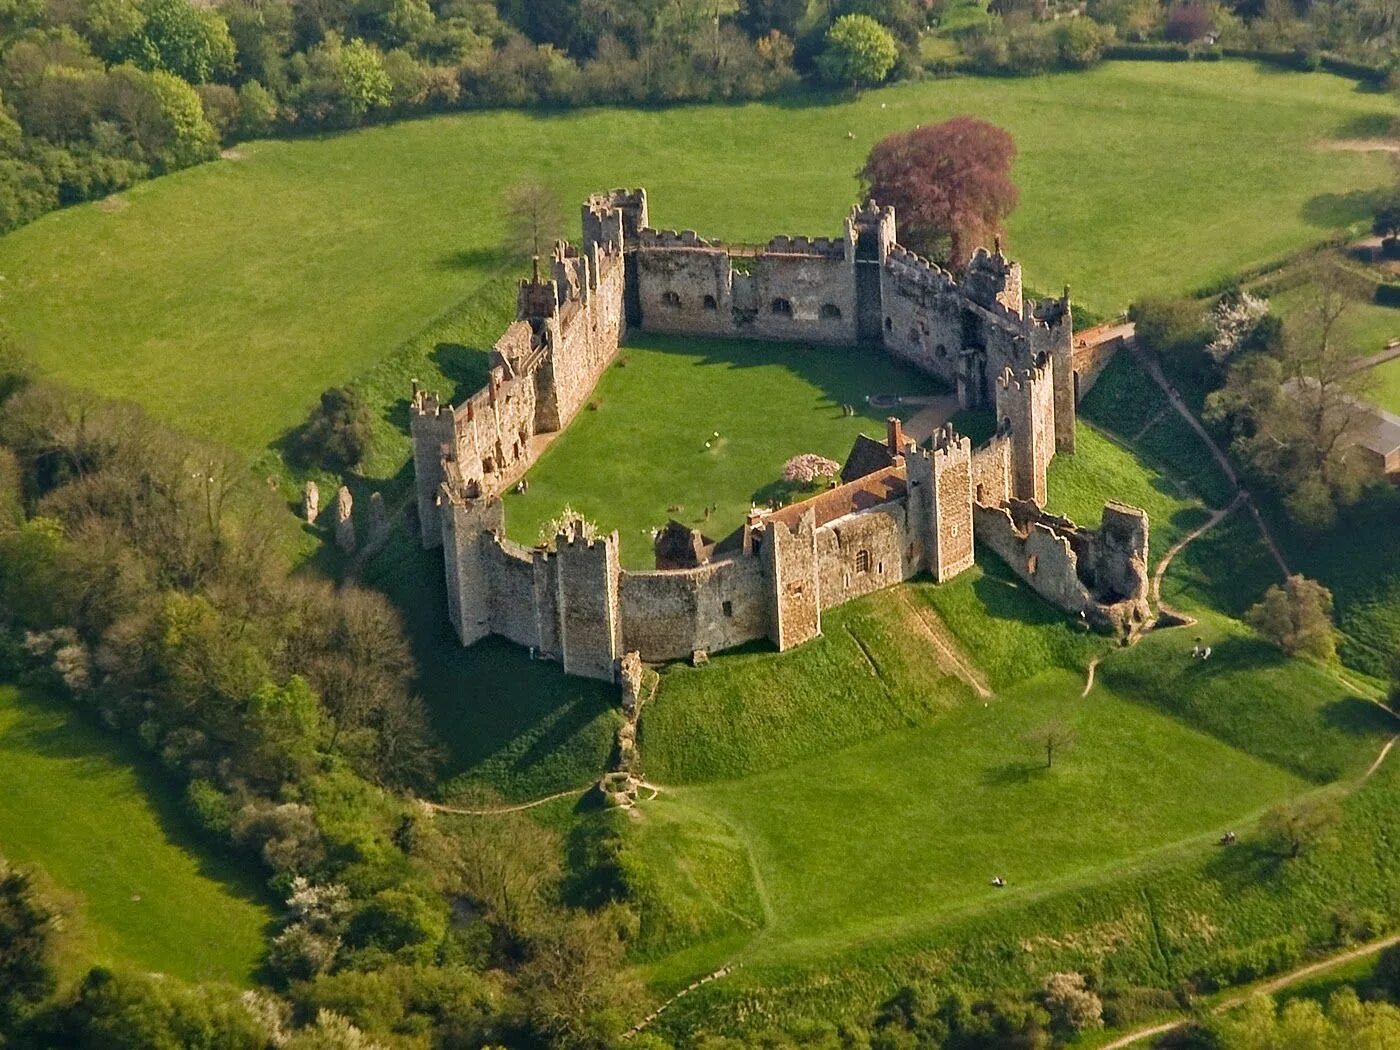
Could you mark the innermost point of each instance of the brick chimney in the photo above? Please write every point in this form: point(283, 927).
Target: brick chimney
point(894, 435)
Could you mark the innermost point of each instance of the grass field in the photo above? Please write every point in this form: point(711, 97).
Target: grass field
point(145, 892)
point(649, 445)
point(1386, 389)
point(1154, 921)
point(227, 296)
point(875, 795)
point(875, 839)
point(1365, 328)
point(892, 830)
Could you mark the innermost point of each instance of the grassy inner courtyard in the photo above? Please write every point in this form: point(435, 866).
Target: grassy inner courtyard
point(120, 852)
point(645, 449)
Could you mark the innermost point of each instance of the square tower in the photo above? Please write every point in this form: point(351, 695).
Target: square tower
point(1026, 413)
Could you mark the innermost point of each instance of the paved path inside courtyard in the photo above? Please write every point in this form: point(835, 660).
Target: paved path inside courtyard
point(936, 411)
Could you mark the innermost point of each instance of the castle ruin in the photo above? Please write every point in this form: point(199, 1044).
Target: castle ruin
point(900, 511)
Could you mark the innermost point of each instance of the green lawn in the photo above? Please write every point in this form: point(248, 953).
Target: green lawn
point(1126, 403)
point(875, 795)
point(884, 836)
point(1101, 470)
point(1290, 712)
point(752, 711)
point(648, 451)
point(1386, 389)
point(1365, 328)
point(146, 892)
point(227, 296)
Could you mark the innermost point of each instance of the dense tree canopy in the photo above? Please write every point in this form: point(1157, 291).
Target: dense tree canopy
point(1293, 409)
point(949, 183)
point(859, 52)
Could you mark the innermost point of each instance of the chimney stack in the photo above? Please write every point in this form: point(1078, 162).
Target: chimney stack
point(894, 435)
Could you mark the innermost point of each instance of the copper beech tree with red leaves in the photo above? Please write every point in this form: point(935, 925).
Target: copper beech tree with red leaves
point(949, 184)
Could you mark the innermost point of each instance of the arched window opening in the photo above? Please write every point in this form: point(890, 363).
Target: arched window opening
point(711, 303)
point(671, 299)
point(831, 312)
point(782, 307)
point(862, 561)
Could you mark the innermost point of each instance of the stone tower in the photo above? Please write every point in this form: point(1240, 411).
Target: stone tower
point(612, 221)
point(468, 526)
point(1052, 335)
point(870, 233)
point(950, 461)
point(992, 279)
point(790, 555)
point(590, 630)
point(1026, 407)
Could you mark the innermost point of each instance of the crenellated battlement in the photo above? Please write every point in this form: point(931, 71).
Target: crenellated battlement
point(649, 238)
point(825, 247)
point(914, 268)
point(947, 445)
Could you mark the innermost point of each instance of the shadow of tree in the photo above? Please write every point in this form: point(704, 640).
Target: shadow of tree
point(1332, 210)
point(472, 259)
point(781, 492)
point(1247, 863)
point(1017, 772)
point(1367, 126)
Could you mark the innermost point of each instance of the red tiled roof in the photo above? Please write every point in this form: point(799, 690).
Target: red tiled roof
point(862, 494)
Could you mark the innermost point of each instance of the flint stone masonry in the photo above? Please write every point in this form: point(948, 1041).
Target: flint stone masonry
point(900, 511)
point(344, 520)
point(1100, 574)
point(311, 502)
point(378, 518)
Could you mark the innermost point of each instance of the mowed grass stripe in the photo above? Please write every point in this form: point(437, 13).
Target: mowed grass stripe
point(226, 297)
point(148, 893)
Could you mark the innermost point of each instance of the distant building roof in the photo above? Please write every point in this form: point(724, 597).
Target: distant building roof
point(1383, 436)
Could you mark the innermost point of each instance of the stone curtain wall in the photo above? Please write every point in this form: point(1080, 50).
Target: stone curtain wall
point(882, 535)
point(543, 368)
point(590, 331)
point(576, 605)
point(795, 289)
point(668, 615)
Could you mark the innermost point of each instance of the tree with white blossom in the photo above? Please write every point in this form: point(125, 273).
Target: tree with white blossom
point(1233, 321)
